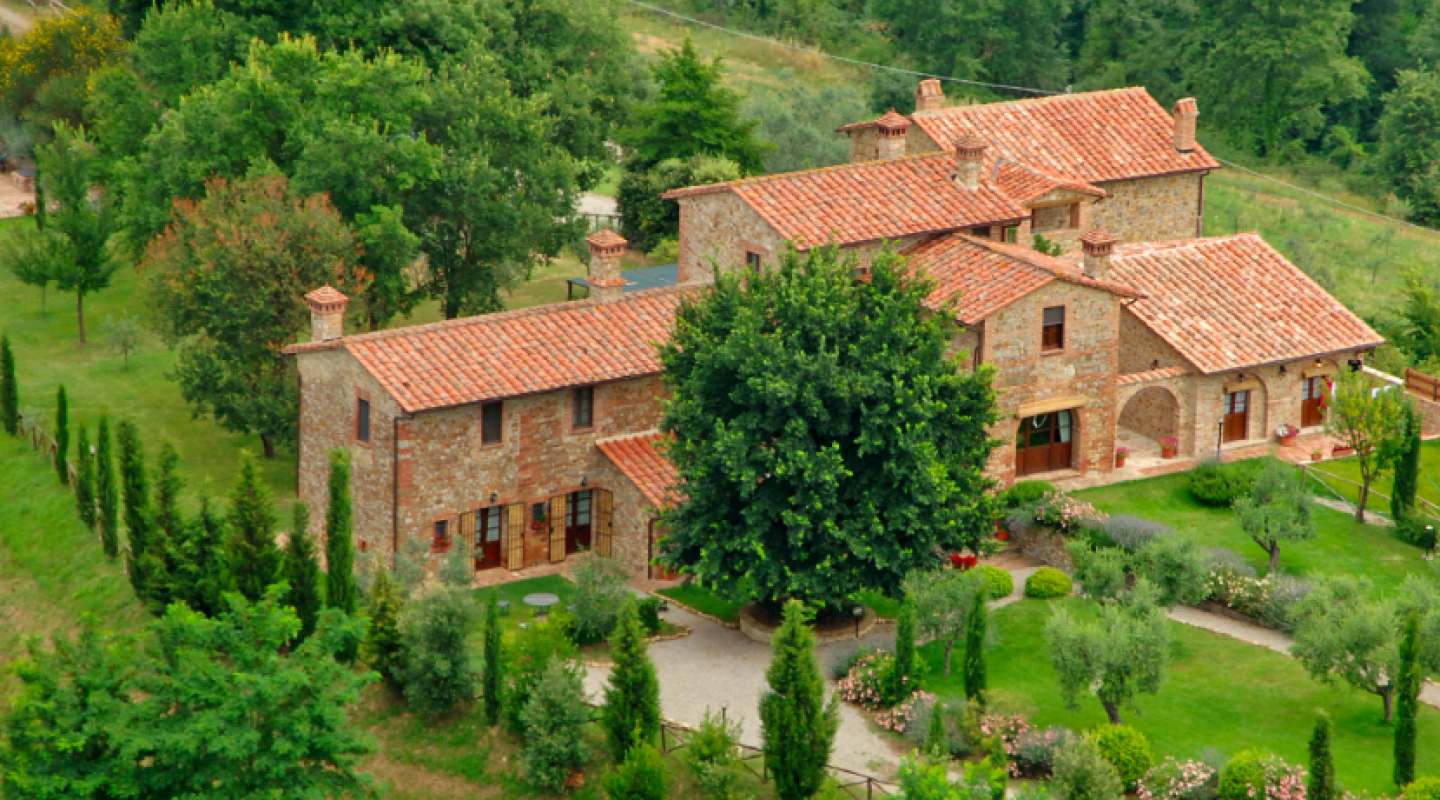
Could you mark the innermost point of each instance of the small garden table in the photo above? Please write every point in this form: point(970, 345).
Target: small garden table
point(541, 601)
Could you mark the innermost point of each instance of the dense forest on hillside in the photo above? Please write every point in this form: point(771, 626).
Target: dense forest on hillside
point(1351, 84)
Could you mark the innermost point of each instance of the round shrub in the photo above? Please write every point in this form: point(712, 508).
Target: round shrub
point(1243, 777)
point(998, 582)
point(1216, 484)
point(1026, 492)
point(1127, 750)
point(1081, 773)
point(1048, 582)
point(1427, 788)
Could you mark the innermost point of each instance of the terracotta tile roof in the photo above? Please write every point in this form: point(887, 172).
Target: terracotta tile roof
point(515, 353)
point(1232, 302)
point(326, 295)
point(868, 201)
point(893, 120)
point(650, 471)
point(1152, 375)
point(1091, 136)
point(606, 238)
point(983, 276)
point(1023, 184)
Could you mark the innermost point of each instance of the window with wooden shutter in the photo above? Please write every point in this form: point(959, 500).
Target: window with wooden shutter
point(604, 521)
point(1052, 331)
point(557, 529)
point(515, 536)
point(492, 415)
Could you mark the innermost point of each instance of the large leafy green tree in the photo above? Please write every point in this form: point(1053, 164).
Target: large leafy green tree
point(1270, 70)
point(825, 440)
point(1116, 657)
point(227, 280)
point(43, 74)
point(1137, 43)
point(1409, 156)
point(645, 217)
point(797, 725)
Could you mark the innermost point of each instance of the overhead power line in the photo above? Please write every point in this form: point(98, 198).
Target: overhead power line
point(1025, 89)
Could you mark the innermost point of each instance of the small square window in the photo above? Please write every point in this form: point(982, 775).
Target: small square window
point(441, 544)
point(752, 260)
point(491, 417)
point(584, 403)
point(1052, 331)
point(362, 420)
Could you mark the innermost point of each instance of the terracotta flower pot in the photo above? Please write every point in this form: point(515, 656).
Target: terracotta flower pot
point(1317, 456)
point(1287, 441)
point(1119, 461)
point(1167, 452)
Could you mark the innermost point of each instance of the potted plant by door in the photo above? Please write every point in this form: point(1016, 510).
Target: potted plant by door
point(1316, 455)
point(1120, 454)
point(1168, 447)
point(1287, 434)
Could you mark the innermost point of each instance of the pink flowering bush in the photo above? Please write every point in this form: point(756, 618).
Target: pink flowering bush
point(1033, 753)
point(1176, 780)
point(1065, 514)
point(1254, 776)
point(900, 717)
point(869, 680)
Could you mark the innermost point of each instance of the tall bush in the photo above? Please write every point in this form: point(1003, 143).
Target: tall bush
point(977, 626)
point(632, 700)
point(903, 676)
point(340, 589)
point(1407, 469)
point(1407, 700)
point(713, 756)
point(302, 573)
point(138, 522)
point(107, 496)
point(85, 480)
point(251, 554)
point(797, 725)
point(553, 719)
point(383, 646)
point(492, 678)
point(1322, 767)
point(601, 588)
point(528, 657)
point(641, 776)
point(62, 436)
point(439, 671)
point(9, 389)
point(1082, 773)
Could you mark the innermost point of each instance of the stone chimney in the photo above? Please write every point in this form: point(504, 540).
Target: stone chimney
point(1097, 245)
point(1185, 114)
point(327, 314)
point(969, 156)
point(891, 128)
point(929, 96)
point(606, 285)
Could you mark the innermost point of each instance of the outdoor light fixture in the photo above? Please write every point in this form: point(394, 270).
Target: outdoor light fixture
point(664, 603)
point(859, 612)
point(584, 481)
point(724, 709)
point(494, 496)
point(1282, 369)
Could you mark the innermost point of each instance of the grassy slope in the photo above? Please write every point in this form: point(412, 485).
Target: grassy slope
point(1217, 693)
point(1341, 544)
point(52, 569)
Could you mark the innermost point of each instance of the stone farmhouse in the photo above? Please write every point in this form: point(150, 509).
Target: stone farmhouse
point(532, 433)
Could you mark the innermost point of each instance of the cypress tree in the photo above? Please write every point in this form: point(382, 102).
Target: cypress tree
point(9, 390)
point(976, 624)
point(937, 739)
point(1407, 702)
point(1407, 470)
point(251, 554)
point(107, 498)
point(85, 480)
point(135, 486)
point(904, 651)
point(62, 436)
point(797, 726)
point(632, 700)
point(165, 554)
point(1321, 785)
point(302, 572)
point(382, 643)
point(168, 486)
point(207, 568)
point(340, 589)
point(493, 679)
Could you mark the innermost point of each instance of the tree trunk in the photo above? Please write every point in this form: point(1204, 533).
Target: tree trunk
point(1274, 558)
point(1112, 711)
point(80, 313)
point(1387, 695)
point(949, 645)
point(268, 444)
point(1360, 506)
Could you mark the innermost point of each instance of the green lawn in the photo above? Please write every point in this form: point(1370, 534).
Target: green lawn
point(515, 591)
point(706, 601)
point(1349, 469)
point(52, 569)
point(1218, 692)
point(1341, 544)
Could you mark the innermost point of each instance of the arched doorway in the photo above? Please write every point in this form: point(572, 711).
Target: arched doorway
point(1045, 442)
point(1148, 418)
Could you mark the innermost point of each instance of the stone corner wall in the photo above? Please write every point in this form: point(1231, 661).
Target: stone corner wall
point(1045, 546)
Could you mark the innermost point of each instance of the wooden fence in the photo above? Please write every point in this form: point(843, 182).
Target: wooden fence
point(42, 441)
point(1321, 477)
point(1422, 385)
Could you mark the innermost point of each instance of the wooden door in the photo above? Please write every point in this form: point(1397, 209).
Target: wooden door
point(604, 521)
point(488, 554)
point(1043, 443)
point(1237, 416)
point(557, 529)
point(515, 536)
point(1312, 402)
point(577, 521)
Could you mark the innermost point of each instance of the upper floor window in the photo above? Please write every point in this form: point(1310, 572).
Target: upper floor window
point(1052, 331)
point(583, 400)
point(752, 260)
point(491, 417)
point(362, 420)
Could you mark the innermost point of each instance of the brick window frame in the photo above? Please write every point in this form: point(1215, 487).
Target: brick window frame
point(580, 398)
point(441, 535)
point(1052, 334)
point(492, 424)
point(363, 431)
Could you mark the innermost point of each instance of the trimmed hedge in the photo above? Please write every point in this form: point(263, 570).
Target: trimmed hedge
point(1219, 485)
point(998, 582)
point(1026, 492)
point(1048, 582)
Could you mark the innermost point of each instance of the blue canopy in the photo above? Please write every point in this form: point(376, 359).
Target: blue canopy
point(639, 279)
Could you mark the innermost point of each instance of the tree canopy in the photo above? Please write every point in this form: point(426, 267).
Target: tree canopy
point(826, 441)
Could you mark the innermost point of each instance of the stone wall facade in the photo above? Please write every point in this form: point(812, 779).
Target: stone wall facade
point(1143, 349)
point(1083, 370)
point(1152, 209)
point(718, 230)
point(1153, 411)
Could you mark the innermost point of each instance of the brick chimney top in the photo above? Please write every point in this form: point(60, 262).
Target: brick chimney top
point(929, 96)
point(1097, 246)
point(892, 129)
point(606, 246)
point(327, 313)
point(969, 155)
point(1185, 114)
